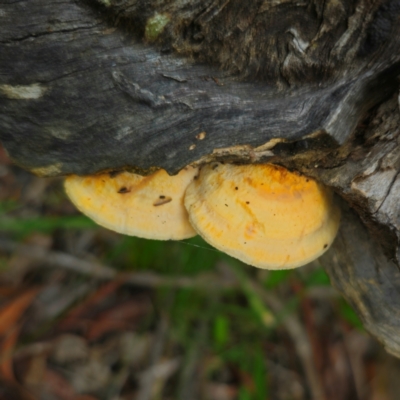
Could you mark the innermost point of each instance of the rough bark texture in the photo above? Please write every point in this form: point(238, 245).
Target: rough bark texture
point(81, 88)
point(369, 280)
point(99, 85)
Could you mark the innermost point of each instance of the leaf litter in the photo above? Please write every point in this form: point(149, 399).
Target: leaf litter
point(171, 321)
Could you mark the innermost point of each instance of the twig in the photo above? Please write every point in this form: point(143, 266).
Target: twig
point(148, 377)
point(34, 349)
point(300, 339)
point(189, 386)
point(52, 258)
point(153, 379)
point(258, 296)
point(103, 272)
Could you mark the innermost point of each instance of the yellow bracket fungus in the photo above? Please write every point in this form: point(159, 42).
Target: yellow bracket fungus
point(263, 215)
point(146, 206)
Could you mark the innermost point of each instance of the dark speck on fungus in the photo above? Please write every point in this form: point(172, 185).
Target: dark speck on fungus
point(113, 174)
point(162, 200)
point(124, 190)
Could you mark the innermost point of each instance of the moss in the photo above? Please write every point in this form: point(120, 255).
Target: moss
point(155, 25)
point(107, 3)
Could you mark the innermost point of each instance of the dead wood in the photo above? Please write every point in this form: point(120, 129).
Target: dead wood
point(88, 86)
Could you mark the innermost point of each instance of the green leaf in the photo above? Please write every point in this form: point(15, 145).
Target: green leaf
point(221, 330)
point(260, 376)
point(244, 394)
point(45, 224)
point(350, 315)
point(277, 277)
point(7, 206)
point(318, 277)
point(256, 303)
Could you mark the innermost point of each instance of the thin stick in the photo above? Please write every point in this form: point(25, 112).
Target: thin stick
point(272, 308)
point(300, 339)
point(104, 272)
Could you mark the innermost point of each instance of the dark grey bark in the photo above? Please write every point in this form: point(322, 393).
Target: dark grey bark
point(87, 86)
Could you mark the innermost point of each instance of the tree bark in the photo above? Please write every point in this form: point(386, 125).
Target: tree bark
point(89, 86)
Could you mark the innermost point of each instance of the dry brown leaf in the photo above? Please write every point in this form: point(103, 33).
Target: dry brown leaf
point(220, 391)
point(13, 391)
point(70, 321)
point(7, 347)
point(33, 377)
point(10, 188)
point(120, 317)
point(4, 159)
point(247, 380)
point(11, 313)
point(10, 316)
point(7, 291)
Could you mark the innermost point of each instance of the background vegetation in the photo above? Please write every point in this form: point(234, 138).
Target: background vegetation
point(86, 313)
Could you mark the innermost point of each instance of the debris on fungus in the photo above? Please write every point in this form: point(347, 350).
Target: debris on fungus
point(263, 215)
point(150, 207)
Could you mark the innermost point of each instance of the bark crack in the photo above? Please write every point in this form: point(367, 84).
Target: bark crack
point(40, 34)
point(387, 192)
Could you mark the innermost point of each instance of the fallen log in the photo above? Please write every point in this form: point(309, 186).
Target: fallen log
point(90, 86)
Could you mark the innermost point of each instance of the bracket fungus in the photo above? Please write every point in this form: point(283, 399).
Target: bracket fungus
point(263, 215)
point(150, 207)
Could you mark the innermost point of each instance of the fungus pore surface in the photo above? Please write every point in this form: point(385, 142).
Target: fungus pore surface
point(150, 207)
point(263, 215)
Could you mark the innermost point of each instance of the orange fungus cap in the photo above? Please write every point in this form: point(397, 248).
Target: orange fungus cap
point(263, 215)
point(146, 206)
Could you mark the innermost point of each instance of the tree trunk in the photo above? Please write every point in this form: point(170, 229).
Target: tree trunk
point(88, 86)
